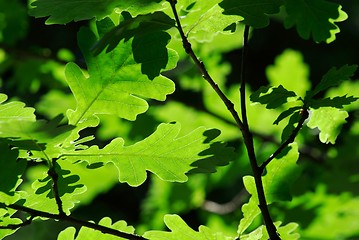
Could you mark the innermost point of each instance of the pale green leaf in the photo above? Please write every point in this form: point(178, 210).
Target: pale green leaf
point(40, 196)
point(6, 220)
point(88, 233)
point(281, 173)
point(205, 19)
point(314, 18)
point(12, 111)
point(329, 121)
point(285, 232)
point(116, 84)
point(250, 211)
point(180, 230)
point(43, 139)
point(61, 12)
point(136, 7)
point(290, 71)
point(254, 12)
point(162, 153)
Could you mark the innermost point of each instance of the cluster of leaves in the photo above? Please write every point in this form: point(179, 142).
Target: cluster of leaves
point(131, 50)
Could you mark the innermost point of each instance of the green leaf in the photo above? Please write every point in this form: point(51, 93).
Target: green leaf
point(333, 78)
point(280, 175)
point(161, 153)
point(314, 17)
point(254, 12)
point(286, 232)
point(5, 221)
point(290, 71)
point(41, 197)
point(205, 19)
point(15, 111)
point(11, 171)
point(116, 84)
point(88, 233)
point(329, 121)
point(61, 12)
point(149, 39)
point(180, 230)
point(43, 139)
point(337, 102)
point(286, 113)
point(250, 211)
point(137, 7)
point(13, 16)
point(273, 97)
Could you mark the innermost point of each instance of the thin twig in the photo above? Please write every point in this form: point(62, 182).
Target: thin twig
point(248, 141)
point(188, 48)
point(304, 115)
point(247, 136)
point(55, 187)
point(228, 207)
point(94, 226)
point(16, 226)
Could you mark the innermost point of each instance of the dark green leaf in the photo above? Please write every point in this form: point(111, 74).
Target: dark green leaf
point(273, 97)
point(337, 102)
point(61, 12)
point(333, 78)
point(286, 113)
point(287, 131)
point(254, 12)
point(314, 17)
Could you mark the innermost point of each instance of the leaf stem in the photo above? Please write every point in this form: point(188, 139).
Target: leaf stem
point(103, 229)
point(304, 115)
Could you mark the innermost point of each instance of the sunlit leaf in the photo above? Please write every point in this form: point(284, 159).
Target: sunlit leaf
point(329, 121)
point(314, 18)
point(116, 84)
point(162, 153)
point(290, 71)
point(88, 233)
point(285, 232)
point(254, 12)
point(180, 230)
point(15, 111)
point(41, 196)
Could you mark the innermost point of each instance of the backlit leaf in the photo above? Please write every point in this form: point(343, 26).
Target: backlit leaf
point(314, 18)
point(162, 153)
point(15, 111)
point(329, 121)
point(180, 230)
point(116, 83)
point(88, 233)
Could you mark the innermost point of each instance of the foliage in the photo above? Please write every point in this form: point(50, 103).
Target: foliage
point(126, 105)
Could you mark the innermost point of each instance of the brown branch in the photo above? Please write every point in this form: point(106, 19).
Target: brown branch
point(243, 126)
point(55, 187)
point(228, 207)
point(200, 65)
point(304, 115)
point(94, 226)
